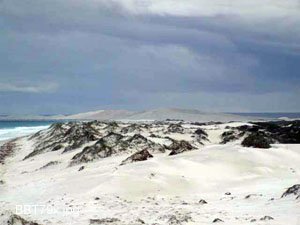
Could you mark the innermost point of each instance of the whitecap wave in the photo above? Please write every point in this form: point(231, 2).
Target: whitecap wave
point(9, 133)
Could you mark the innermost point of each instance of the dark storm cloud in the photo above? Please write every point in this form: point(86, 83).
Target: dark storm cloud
point(66, 56)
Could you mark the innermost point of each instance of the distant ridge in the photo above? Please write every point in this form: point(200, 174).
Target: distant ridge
point(154, 114)
point(101, 115)
point(160, 114)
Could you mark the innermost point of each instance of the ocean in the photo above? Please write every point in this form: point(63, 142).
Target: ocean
point(277, 115)
point(13, 129)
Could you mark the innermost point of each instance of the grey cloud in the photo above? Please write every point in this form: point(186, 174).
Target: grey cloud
point(106, 53)
point(41, 88)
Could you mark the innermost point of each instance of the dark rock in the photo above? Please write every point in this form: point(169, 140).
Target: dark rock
point(293, 190)
point(247, 196)
point(200, 132)
point(91, 153)
point(257, 140)
point(97, 198)
point(202, 202)
point(122, 143)
point(170, 139)
point(69, 136)
point(252, 195)
point(104, 221)
point(175, 128)
point(112, 139)
point(6, 150)
point(132, 128)
point(130, 144)
point(174, 221)
point(247, 128)
point(18, 220)
point(77, 136)
point(266, 218)
point(140, 221)
point(57, 147)
point(201, 135)
point(236, 133)
point(179, 219)
point(286, 132)
point(178, 147)
point(50, 164)
point(274, 131)
point(217, 220)
point(153, 135)
point(227, 193)
point(113, 144)
point(111, 127)
point(229, 136)
point(139, 156)
point(173, 120)
point(137, 139)
point(198, 124)
point(81, 168)
point(48, 139)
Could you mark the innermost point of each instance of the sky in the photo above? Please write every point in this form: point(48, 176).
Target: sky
point(70, 56)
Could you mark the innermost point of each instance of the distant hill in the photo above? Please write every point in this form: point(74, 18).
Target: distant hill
point(155, 114)
point(101, 115)
point(160, 114)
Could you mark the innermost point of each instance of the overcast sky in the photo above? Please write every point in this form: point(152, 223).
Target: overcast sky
point(68, 56)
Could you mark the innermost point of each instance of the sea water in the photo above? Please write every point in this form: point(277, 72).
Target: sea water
point(277, 115)
point(14, 129)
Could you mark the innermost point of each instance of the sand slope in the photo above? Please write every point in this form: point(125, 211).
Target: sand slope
point(160, 188)
point(161, 114)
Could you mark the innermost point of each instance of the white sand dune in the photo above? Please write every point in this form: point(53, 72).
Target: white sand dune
point(156, 189)
point(161, 114)
point(155, 114)
point(100, 115)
